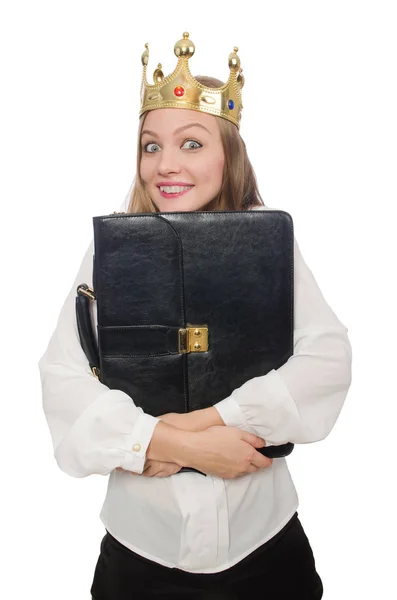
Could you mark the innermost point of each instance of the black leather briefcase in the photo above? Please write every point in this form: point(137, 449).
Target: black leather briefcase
point(190, 305)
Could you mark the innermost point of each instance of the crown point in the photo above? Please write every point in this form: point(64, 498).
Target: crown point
point(160, 66)
point(145, 56)
point(146, 45)
point(234, 62)
point(184, 47)
point(158, 75)
point(235, 49)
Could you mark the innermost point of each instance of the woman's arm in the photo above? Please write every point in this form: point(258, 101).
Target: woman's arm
point(197, 420)
point(300, 401)
point(222, 451)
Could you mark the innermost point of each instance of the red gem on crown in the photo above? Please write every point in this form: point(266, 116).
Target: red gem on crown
point(179, 91)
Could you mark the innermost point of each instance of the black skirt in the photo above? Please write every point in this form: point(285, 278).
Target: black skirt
point(281, 569)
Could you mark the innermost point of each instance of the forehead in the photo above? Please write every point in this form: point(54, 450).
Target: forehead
point(167, 120)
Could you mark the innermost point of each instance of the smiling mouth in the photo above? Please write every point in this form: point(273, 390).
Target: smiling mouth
point(173, 191)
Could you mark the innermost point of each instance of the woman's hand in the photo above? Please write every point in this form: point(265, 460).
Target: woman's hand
point(197, 420)
point(158, 468)
point(226, 452)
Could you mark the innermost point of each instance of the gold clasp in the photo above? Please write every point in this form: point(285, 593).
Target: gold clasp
point(193, 339)
point(95, 372)
point(87, 291)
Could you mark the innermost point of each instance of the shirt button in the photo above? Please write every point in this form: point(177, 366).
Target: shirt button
point(136, 447)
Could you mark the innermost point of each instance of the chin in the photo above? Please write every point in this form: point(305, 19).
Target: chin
point(179, 205)
point(183, 206)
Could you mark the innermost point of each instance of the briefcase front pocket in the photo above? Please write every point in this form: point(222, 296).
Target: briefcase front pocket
point(158, 395)
point(132, 355)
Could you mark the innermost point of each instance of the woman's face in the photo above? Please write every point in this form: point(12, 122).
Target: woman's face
point(182, 158)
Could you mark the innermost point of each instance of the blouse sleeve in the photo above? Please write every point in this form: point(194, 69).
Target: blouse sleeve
point(300, 401)
point(94, 429)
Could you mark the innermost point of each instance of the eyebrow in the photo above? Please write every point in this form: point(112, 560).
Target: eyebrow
point(179, 129)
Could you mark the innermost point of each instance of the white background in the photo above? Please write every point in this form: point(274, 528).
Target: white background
point(319, 121)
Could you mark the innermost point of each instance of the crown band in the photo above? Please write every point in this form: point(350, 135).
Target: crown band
point(182, 90)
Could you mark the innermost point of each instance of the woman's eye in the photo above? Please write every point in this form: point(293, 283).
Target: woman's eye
point(152, 147)
point(191, 144)
point(149, 147)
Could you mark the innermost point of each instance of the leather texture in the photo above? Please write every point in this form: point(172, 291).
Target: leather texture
point(157, 272)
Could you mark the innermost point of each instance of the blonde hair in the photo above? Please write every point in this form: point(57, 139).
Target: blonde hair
point(239, 189)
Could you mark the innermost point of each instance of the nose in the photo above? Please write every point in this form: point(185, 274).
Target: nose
point(168, 162)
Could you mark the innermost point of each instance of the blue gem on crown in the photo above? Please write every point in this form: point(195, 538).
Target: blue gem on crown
point(230, 104)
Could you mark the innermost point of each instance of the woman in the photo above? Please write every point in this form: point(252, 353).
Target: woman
point(236, 531)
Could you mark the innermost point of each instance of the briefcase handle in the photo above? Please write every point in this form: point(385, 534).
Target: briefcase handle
point(85, 295)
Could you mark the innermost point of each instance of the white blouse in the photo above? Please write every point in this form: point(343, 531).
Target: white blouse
point(196, 523)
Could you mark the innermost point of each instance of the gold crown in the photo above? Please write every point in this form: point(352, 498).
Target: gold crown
point(182, 90)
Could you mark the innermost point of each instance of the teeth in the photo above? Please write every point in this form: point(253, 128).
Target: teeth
point(174, 189)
